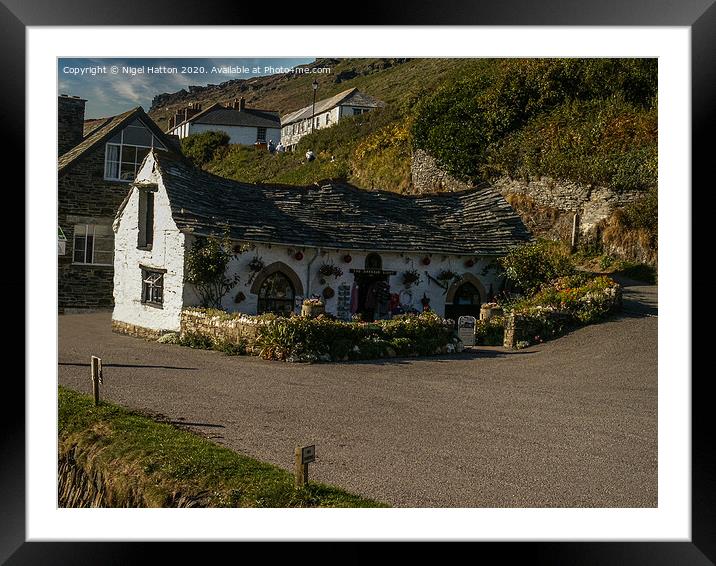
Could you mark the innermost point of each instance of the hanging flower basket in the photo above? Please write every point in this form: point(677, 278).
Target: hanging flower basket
point(411, 277)
point(328, 269)
point(255, 265)
point(446, 275)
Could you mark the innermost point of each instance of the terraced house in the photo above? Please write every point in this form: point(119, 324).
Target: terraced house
point(325, 114)
point(98, 160)
point(349, 246)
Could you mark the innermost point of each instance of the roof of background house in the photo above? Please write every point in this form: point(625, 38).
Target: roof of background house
point(220, 115)
point(106, 129)
point(352, 96)
point(338, 215)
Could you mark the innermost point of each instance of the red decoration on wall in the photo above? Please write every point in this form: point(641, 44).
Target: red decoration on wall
point(347, 258)
point(426, 260)
point(298, 256)
point(469, 263)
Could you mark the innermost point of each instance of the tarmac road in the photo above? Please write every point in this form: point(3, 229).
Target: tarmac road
point(568, 423)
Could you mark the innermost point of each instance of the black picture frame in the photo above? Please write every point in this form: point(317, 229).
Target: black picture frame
point(16, 15)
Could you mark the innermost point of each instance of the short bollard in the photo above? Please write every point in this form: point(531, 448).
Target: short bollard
point(304, 456)
point(96, 365)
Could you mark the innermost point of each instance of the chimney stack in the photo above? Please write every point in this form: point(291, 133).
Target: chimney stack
point(70, 122)
point(241, 104)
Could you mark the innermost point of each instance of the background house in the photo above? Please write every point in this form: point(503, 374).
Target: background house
point(94, 170)
point(373, 237)
point(327, 112)
point(245, 126)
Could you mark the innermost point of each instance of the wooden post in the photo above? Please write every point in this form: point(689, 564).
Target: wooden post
point(304, 456)
point(96, 365)
point(300, 469)
point(575, 232)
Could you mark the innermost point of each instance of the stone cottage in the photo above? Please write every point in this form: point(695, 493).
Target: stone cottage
point(350, 246)
point(245, 126)
point(94, 169)
point(326, 113)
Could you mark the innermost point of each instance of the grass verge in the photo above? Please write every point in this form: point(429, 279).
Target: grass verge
point(136, 454)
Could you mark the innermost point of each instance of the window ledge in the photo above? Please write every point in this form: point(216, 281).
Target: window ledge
point(153, 305)
point(145, 248)
point(92, 264)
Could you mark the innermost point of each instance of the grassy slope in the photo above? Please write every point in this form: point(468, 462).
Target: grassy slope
point(164, 459)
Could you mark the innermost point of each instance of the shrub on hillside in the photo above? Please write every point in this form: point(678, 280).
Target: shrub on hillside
point(201, 148)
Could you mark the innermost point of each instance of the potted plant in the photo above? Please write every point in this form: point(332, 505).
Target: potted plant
point(312, 307)
point(411, 277)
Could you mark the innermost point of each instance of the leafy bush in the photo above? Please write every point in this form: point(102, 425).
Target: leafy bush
point(303, 339)
point(531, 265)
point(205, 268)
point(203, 147)
point(490, 332)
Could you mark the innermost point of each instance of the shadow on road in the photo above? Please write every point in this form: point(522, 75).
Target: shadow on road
point(125, 366)
point(471, 354)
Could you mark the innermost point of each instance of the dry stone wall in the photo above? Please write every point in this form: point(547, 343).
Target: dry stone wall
point(593, 203)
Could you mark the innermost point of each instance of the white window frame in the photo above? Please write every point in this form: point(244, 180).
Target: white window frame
point(94, 240)
point(121, 145)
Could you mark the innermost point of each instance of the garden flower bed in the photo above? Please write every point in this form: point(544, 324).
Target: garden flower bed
point(319, 339)
point(567, 302)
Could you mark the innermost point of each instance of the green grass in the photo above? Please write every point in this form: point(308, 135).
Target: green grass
point(162, 460)
point(637, 271)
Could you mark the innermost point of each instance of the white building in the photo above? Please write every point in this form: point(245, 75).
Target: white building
point(327, 112)
point(245, 126)
point(372, 237)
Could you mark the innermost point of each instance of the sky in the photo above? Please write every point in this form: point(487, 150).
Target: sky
point(113, 85)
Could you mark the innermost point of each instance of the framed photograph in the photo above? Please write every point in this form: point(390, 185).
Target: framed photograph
point(339, 175)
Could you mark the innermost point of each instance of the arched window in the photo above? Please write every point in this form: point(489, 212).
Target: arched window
point(466, 294)
point(373, 261)
point(276, 294)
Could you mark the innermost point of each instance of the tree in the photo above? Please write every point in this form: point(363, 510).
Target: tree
point(205, 266)
point(201, 148)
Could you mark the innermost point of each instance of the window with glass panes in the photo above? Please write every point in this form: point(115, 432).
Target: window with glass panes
point(93, 244)
point(261, 135)
point(127, 149)
point(152, 287)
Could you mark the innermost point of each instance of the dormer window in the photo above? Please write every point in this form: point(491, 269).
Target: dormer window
point(126, 150)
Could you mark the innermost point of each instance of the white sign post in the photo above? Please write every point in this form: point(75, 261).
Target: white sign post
point(466, 330)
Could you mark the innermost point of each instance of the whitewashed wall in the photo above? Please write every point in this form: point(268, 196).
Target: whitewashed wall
point(310, 278)
point(288, 138)
point(238, 134)
point(167, 253)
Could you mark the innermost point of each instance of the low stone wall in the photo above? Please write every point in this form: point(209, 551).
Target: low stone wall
point(232, 330)
point(139, 331)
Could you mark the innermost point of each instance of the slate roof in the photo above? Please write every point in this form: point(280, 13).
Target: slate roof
point(352, 96)
point(339, 215)
point(220, 115)
point(234, 117)
point(106, 130)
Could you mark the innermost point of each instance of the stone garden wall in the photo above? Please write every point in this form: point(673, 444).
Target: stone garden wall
point(232, 330)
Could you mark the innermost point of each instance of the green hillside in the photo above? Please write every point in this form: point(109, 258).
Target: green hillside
point(590, 120)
